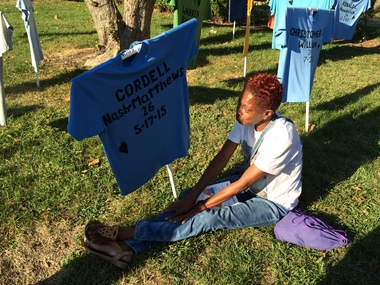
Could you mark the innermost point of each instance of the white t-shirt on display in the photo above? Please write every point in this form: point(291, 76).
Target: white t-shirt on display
point(6, 31)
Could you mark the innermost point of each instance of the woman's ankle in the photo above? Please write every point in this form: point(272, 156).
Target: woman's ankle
point(126, 233)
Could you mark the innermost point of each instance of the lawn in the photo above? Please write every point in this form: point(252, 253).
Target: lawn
point(51, 185)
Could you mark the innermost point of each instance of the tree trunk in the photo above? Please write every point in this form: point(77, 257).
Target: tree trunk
point(116, 32)
point(137, 17)
point(104, 14)
point(376, 5)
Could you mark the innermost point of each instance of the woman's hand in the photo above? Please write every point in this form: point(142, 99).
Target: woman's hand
point(180, 206)
point(197, 208)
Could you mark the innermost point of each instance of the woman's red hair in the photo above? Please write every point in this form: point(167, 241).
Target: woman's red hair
point(266, 89)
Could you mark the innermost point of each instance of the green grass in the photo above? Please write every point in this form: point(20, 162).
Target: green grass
point(46, 179)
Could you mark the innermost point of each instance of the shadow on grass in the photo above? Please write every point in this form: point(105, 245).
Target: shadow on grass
point(20, 111)
point(338, 53)
point(226, 36)
point(44, 34)
point(203, 95)
point(360, 265)
point(62, 78)
point(333, 153)
point(214, 45)
point(90, 269)
point(60, 124)
point(207, 95)
point(206, 51)
point(85, 270)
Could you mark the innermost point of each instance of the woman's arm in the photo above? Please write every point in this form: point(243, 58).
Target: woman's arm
point(213, 170)
point(249, 177)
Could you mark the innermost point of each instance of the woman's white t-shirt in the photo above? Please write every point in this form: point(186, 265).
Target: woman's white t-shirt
point(279, 155)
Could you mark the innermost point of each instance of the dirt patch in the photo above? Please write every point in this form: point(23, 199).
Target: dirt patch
point(80, 58)
point(373, 43)
point(38, 254)
point(71, 57)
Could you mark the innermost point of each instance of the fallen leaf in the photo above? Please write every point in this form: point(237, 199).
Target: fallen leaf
point(93, 161)
point(15, 139)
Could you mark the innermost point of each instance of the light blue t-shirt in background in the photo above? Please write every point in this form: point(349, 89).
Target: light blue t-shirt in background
point(347, 13)
point(278, 9)
point(27, 14)
point(301, 37)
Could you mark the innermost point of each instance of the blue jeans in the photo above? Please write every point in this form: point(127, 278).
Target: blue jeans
point(251, 211)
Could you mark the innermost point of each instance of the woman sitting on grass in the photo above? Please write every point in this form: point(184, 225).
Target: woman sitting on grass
point(277, 163)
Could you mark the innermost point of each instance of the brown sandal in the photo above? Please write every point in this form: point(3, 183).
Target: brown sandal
point(104, 233)
point(121, 259)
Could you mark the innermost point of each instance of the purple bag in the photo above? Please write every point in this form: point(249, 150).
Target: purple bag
point(301, 229)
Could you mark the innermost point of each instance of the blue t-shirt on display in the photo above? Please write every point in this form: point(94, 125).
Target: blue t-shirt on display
point(138, 105)
point(302, 36)
point(347, 13)
point(278, 8)
point(237, 10)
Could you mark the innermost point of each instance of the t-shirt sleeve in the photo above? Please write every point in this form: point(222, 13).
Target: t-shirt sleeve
point(280, 36)
point(6, 31)
point(184, 35)
point(236, 134)
point(272, 5)
point(85, 111)
point(329, 31)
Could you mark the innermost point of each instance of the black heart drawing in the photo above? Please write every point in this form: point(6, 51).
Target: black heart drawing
point(123, 147)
